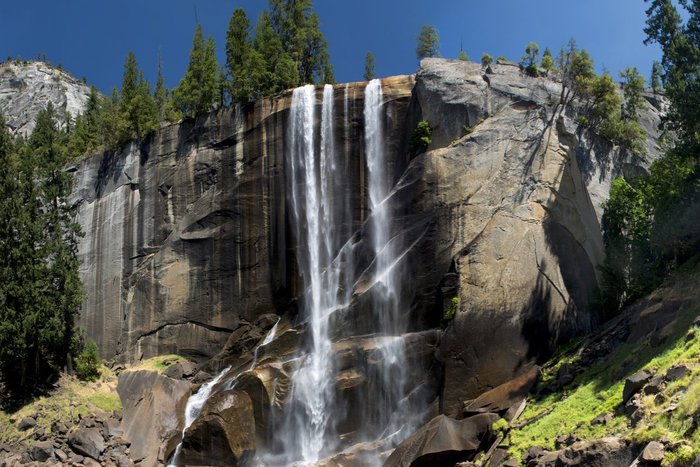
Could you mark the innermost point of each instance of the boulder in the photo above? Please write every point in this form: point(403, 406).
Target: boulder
point(634, 383)
point(26, 423)
point(504, 397)
point(224, 432)
point(181, 370)
point(606, 452)
point(42, 451)
point(153, 413)
point(443, 441)
point(676, 373)
point(653, 452)
point(87, 442)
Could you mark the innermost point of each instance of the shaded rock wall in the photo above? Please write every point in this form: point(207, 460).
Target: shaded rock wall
point(186, 232)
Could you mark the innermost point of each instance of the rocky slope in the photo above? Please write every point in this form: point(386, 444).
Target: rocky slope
point(28, 87)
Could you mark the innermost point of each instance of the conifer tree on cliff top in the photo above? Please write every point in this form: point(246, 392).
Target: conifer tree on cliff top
point(198, 91)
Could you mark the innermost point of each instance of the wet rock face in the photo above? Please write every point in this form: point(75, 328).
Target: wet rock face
point(186, 233)
point(27, 88)
point(153, 414)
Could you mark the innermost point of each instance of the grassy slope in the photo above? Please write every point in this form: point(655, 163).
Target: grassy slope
point(598, 390)
point(73, 398)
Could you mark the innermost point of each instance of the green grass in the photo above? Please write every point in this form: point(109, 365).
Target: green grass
point(109, 402)
point(598, 390)
point(159, 363)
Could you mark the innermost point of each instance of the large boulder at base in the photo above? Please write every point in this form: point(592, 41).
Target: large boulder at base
point(443, 441)
point(506, 396)
point(153, 413)
point(87, 442)
point(606, 452)
point(224, 432)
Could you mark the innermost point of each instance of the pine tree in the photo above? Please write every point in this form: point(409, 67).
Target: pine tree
point(463, 56)
point(428, 42)
point(238, 46)
point(529, 60)
point(40, 290)
point(655, 79)
point(299, 31)
point(632, 89)
point(197, 92)
point(138, 110)
point(547, 63)
point(161, 94)
point(369, 66)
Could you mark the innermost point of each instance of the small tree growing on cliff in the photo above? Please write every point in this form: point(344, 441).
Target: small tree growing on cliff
point(369, 66)
point(486, 60)
point(547, 63)
point(529, 60)
point(428, 42)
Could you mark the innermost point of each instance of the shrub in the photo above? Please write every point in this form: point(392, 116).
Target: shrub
point(486, 60)
point(87, 364)
point(421, 138)
point(452, 310)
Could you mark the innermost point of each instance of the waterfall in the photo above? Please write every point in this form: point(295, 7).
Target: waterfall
point(386, 293)
point(321, 196)
point(193, 408)
point(316, 209)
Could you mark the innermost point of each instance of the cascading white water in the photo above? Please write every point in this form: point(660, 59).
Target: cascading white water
point(386, 290)
point(194, 407)
point(316, 209)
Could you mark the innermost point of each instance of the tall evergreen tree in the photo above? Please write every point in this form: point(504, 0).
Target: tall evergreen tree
point(197, 92)
point(428, 42)
point(299, 30)
point(369, 66)
point(238, 46)
point(40, 293)
point(138, 110)
point(279, 73)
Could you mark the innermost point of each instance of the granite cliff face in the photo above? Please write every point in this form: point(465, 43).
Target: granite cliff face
point(28, 87)
point(190, 246)
point(187, 234)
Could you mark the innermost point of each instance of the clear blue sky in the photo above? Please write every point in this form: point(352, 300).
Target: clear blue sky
point(92, 37)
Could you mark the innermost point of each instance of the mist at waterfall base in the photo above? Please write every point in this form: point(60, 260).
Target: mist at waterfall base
point(306, 429)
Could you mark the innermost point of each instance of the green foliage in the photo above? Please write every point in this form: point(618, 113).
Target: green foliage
point(40, 290)
point(198, 90)
point(632, 89)
point(680, 44)
point(463, 56)
point(655, 78)
point(627, 272)
point(428, 42)
point(421, 138)
point(87, 363)
point(529, 60)
point(299, 30)
point(500, 426)
point(501, 58)
point(452, 310)
point(286, 50)
point(576, 70)
point(369, 67)
point(547, 63)
point(486, 60)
